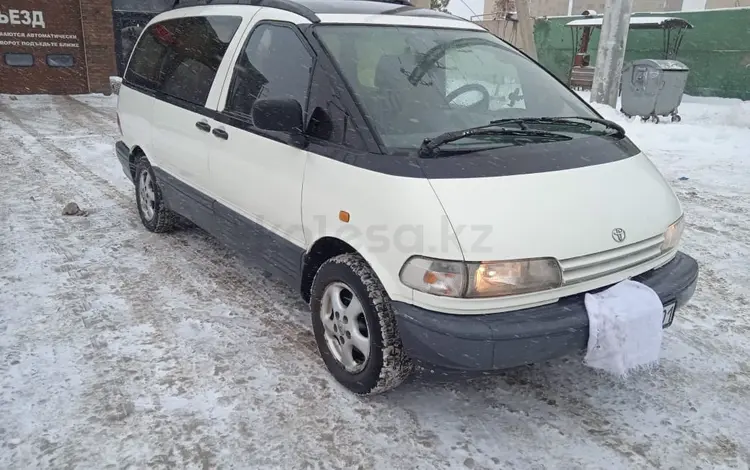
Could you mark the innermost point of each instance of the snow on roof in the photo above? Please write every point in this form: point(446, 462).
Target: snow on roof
point(637, 21)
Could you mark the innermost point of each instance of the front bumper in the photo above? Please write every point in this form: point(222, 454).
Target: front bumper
point(509, 339)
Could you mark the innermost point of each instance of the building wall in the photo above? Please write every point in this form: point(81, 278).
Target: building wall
point(96, 17)
point(77, 29)
point(38, 29)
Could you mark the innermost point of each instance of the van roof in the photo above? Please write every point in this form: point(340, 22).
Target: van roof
point(310, 9)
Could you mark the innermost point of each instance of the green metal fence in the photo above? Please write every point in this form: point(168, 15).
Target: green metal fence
point(717, 49)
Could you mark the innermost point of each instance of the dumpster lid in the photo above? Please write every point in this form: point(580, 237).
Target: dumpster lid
point(663, 64)
point(637, 22)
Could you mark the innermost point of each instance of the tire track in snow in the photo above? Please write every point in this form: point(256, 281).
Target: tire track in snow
point(127, 202)
point(65, 157)
point(67, 302)
point(235, 288)
point(251, 343)
point(110, 116)
point(80, 114)
point(111, 404)
point(241, 290)
point(182, 239)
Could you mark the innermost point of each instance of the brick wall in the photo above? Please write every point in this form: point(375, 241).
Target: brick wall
point(96, 17)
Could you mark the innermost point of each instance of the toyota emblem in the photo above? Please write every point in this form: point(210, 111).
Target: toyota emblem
point(618, 235)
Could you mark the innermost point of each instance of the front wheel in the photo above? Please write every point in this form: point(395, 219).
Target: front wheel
point(355, 327)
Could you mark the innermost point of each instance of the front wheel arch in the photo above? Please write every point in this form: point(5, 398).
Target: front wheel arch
point(321, 251)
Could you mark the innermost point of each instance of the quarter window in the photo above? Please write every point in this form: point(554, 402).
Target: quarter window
point(274, 64)
point(18, 59)
point(60, 60)
point(180, 57)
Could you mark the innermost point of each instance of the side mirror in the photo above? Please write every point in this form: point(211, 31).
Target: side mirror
point(281, 115)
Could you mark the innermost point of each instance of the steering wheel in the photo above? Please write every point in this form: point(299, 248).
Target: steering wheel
point(482, 105)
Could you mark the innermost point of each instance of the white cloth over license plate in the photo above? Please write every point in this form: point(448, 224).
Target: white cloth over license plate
point(625, 328)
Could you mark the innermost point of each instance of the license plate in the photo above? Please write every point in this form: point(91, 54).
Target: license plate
point(668, 318)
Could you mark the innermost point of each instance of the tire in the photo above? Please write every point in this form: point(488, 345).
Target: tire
point(386, 365)
point(158, 219)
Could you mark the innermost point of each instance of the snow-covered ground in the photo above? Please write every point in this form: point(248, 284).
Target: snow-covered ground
point(124, 349)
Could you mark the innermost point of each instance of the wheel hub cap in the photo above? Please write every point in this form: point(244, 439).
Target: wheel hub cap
point(146, 195)
point(345, 327)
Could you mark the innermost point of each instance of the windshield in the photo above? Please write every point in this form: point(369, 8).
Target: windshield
point(416, 82)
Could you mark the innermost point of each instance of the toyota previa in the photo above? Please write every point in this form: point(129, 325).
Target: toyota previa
point(437, 197)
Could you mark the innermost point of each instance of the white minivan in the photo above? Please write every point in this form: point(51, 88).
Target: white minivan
point(439, 198)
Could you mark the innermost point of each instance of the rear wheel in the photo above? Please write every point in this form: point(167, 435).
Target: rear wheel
point(151, 207)
point(355, 327)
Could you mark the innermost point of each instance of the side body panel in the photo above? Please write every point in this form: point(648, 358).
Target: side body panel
point(253, 175)
point(391, 218)
point(256, 182)
point(135, 111)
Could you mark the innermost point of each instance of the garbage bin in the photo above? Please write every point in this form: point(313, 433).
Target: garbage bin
point(653, 88)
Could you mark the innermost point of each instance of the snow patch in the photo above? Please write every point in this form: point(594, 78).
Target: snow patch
point(625, 328)
point(103, 363)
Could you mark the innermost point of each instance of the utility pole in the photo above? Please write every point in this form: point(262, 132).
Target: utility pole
point(610, 54)
point(526, 28)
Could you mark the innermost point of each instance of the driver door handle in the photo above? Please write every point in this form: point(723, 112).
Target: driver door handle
point(220, 133)
point(203, 125)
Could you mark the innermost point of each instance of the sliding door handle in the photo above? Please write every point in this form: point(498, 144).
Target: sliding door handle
point(220, 133)
point(203, 125)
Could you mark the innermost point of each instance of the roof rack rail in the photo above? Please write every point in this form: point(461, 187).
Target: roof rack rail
point(397, 2)
point(286, 5)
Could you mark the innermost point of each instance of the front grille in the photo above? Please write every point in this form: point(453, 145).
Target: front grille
point(584, 268)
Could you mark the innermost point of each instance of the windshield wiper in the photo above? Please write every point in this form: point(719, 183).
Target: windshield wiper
point(568, 121)
point(428, 147)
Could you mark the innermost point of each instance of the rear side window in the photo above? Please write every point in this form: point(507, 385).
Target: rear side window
point(60, 60)
point(180, 57)
point(18, 60)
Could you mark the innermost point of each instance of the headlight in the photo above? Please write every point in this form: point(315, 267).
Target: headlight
point(490, 279)
point(673, 234)
point(501, 278)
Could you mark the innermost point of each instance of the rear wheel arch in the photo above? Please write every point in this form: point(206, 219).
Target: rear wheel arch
point(135, 154)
